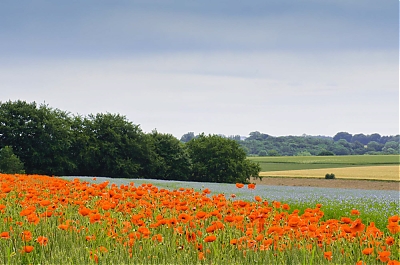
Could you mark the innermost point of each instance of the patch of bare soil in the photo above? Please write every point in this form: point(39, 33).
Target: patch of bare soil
point(329, 183)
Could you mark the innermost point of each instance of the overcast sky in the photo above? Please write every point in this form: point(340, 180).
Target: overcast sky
point(221, 67)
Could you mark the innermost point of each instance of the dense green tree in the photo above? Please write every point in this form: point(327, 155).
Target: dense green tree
point(172, 161)
point(326, 153)
point(360, 137)
point(273, 152)
point(262, 153)
point(257, 136)
point(342, 135)
point(39, 136)
point(374, 146)
point(217, 159)
point(110, 145)
point(391, 147)
point(9, 162)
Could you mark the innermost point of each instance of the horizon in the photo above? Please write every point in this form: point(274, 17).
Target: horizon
point(282, 67)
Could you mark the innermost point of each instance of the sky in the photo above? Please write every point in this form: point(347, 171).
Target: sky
point(220, 67)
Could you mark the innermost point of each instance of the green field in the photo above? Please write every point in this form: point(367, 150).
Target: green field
point(281, 163)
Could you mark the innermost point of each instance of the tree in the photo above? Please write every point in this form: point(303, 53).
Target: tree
point(273, 152)
point(39, 136)
point(391, 147)
point(360, 138)
point(172, 161)
point(342, 135)
point(374, 146)
point(187, 137)
point(218, 159)
point(326, 153)
point(110, 145)
point(262, 153)
point(9, 162)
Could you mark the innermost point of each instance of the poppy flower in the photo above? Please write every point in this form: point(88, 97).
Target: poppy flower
point(27, 249)
point(251, 186)
point(389, 240)
point(26, 236)
point(42, 240)
point(210, 238)
point(357, 226)
point(367, 251)
point(328, 255)
point(5, 235)
point(239, 185)
point(384, 256)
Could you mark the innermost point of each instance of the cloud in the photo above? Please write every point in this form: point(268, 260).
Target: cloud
point(278, 93)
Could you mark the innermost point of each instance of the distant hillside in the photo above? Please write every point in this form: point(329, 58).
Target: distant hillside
point(343, 143)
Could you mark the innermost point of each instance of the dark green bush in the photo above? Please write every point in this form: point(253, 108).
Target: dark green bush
point(329, 176)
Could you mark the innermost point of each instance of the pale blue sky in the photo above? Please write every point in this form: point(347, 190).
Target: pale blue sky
point(224, 67)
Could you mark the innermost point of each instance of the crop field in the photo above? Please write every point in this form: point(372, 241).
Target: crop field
point(49, 220)
point(283, 163)
point(390, 173)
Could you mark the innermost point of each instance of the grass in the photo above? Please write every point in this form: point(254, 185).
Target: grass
point(89, 221)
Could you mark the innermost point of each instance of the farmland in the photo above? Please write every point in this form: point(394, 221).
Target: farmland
point(48, 220)
point(378, 167)
point(282, 163)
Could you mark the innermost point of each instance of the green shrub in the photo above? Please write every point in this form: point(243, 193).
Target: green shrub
point(9, 162)
point(329, 176)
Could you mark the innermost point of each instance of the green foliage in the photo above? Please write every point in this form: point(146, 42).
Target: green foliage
point(9, 162)
point(342, 143)
point(39, 136)
point(172, 161)
point(273, 153)
point(217, 159)
point(109, 145)
point(326, 153)
point(329, 176)
point(262, 153)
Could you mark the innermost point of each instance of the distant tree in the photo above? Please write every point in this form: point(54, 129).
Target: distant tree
point(360, 138)
point(374, 146)
point(257, 136)
point(391, 147)
point(9, 162)
point(262, 153)
point(339, 149)
point(217, 159)
point(273, 152)
point(187, 137)
point(342, 135)
point(375, 137)
point(358, 148)
point(326, 153)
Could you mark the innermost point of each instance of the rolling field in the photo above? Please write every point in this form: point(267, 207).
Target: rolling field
point(377, 167)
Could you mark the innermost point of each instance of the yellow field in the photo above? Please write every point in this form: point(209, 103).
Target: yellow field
point(369, 172)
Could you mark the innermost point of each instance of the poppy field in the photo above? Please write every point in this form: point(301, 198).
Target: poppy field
point(49, 220)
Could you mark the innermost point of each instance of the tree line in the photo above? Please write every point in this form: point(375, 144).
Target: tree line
point(38, 139)
point(343, 143)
